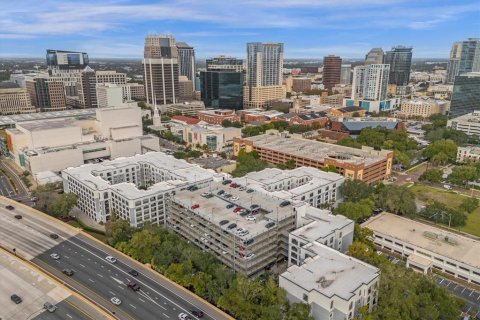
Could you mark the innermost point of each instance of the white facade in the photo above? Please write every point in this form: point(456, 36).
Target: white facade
point(422, 107)
point(370, 82)
point(115, 186)
point(113, 95)
point(470, 153)
point(56, 144)
point(468, 123)
point(306, 184)
point(333, 284)
point(427, 247)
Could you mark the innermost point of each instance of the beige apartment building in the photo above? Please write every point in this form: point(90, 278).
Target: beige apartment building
point(258, 97)
point(422, 107)
point(14, 101)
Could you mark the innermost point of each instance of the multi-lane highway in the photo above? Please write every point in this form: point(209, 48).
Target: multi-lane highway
point(94, 277)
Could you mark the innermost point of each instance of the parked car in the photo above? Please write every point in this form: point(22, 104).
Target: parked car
point(448, 187)
point(234, 198)
point(195, 206)
point(230, 205)
point(250, 218)
point(110, 259)
point(55, 256)
point(250, 190)
point(270, 225)
point(231, 226)
point(18, 216)
point(9, 207)
point(254, 206)
point(284, 203)
point(54, 236)
point(244, 213)
point(223, 222)
point(116, 301)
point(68, 272)
point(249, 256)
point(226, 182)
point(49, 307)
point(16, 298)
point(220, 192)
point(242, 188)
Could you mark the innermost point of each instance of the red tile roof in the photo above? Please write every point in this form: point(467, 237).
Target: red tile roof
point(187, 120)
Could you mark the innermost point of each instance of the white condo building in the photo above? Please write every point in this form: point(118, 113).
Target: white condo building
point(134, 188)
point(370, 82)
point(468, 123)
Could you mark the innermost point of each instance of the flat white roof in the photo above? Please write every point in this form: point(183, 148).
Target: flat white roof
point(331, 273)
point(458, 247)
point(322, 223)
point(184, 171)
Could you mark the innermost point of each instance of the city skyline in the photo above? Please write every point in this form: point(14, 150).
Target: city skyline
point(309, 29)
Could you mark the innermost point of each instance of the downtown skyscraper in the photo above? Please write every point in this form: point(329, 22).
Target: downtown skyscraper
point(186, 60)
point(400, 61)
point(370, 82)
point(264, 74)
point(161, 70)
point(464, 57)
point(332, 66)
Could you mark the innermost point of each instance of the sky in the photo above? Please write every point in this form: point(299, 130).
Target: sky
point(308, 28)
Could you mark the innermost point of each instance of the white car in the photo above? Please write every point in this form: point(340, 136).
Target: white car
point(250, 256)
point(110, 259)
point(184, 316)
point(251, 218)
point(116, 301)
point(234, 198)
point(55, 256)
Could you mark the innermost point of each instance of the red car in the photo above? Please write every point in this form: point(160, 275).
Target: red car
point(234, 185)
point(237, 209)
point(195, 206)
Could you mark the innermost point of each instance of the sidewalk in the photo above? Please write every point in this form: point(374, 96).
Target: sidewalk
point(86, 220)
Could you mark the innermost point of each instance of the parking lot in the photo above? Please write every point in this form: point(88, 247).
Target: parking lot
point(471, 297)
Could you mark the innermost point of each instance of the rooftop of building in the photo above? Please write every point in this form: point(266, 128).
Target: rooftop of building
point(469, 117)
point(89, 174)
point(213, 162)
point(319, 224)
point(218, 112)
point(350, 109)
point(214, 209)
point(302, 180)
point(12, 119)
point(40, 125)
point(331, 273)
point(439, 241)
point(187, 120)
point(316, 150)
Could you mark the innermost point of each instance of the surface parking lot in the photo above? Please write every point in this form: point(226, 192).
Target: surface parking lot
point(471, 297)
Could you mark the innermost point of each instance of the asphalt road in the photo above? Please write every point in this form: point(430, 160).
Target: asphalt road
point(94, 277)
point(65, 310)
point(5, 186)
point(469, 296)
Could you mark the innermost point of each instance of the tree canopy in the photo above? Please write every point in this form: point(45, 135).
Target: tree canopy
point(432, 175)
point(440, 213)
point(355, 190)
point(396, 199)
point(441, 152)
point(248, 162)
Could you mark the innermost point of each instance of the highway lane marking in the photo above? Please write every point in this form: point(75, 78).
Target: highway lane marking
point(81, 265)
point(66, 256)
point(166, 315)
point(98, 274)
point(478, 297)
point(139, 281)
point(112, 293)
point(150, 298)
point(131, 305)
point(69, 316)
point(471, 293)
point(90, 280)
point(141, 299)
point(121, 287)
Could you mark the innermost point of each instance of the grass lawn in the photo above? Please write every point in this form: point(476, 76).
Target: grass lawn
point(97, 235)
point(452, 200)
point(420, 168)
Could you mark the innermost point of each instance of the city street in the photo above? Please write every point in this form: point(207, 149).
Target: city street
point(93, 276)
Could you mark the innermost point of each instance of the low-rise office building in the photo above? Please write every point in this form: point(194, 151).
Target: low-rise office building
point(364, 164)
point(353, 126)
point(59, 143)
point(333, 284)
point(468, 123)
point(14, 101)
point(190, 108)
point(307, 184)
point(467, 154)
point(427, 247)
point(214, 137)
point(135, 188)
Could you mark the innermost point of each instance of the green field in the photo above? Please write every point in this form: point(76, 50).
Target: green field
point(452, 200)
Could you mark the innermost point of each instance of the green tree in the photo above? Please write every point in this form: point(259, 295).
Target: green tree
point(396, 199)
point(432, 175)
point(248, 162)
point(355, 190)
point(62, 204)
point(298, 311)
point(289, 164)
point(355, 210)
point(462, 175)
point(440, 213)
point(469, 205)
point(441, 152)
